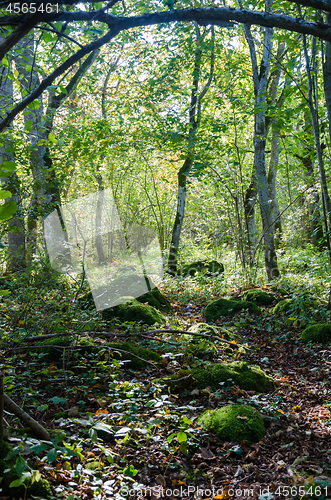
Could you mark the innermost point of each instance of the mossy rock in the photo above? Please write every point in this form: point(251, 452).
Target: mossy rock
point(227, 307)
point(320, 332)
point(208, 330)
point(247, 377)
point(135, 350)
point(156, 299)
point(204, 328)
point(234, 423)
point(258, 296)
point(209, 268)
point(54, 353)
point(283, 306)
point(132, 310)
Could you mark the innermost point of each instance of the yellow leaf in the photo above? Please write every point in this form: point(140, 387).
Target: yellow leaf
point(99, 412)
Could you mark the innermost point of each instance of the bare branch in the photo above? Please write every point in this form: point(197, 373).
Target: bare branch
point(57, 72)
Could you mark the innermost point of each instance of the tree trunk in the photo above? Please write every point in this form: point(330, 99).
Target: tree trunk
point(16, 230)
point(315, 231)
point(180, 212)
point(194, 122)
point(98, 220)
point(272, 173)
point(33, 119)
point(315, 124)
point(260, 80)
point(249, 213)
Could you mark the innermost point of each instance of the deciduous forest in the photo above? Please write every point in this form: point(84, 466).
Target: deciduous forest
point(165, 255)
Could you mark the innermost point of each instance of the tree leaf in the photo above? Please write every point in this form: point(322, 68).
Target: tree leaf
point(7, 210)
point(8, 165)
point(20, 465)
point(51, 455)
point(5, 194)
point(181, 437)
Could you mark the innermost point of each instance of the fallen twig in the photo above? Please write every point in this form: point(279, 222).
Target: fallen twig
point(38, 429)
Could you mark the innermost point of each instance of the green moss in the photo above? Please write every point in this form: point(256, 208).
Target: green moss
point(60, 414)
point(4, 449)
point(132, 310)
point(258, 296)
point(283, 306)
point(234, 423)
point(40, 489)
point(247, 377)
point(320, 332)
point(216, 375)
point(204, 328)
point(55, 353)
point(211, 268)
point(227, 307)
point(156, 299)
point(136, 350)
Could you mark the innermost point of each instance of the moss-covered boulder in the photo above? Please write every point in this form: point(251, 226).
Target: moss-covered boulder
point(247, 377)
point(320, 332)
point(132, 286)
point(54, 347)
point(209, 268)
point(228, 307)
point(283, 306)
point(204, 328)
point(258, 296)
point(156, 299)
point(234, 423)
point(137, 355)
point(132, 310)
point(217, 375)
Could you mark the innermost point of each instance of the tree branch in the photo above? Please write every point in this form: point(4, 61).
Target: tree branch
point(57, 72)
point(22, 29)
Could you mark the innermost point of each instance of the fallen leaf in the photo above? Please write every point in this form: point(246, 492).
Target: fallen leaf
point(206, 454)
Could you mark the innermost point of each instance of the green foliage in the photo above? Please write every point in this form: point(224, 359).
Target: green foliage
point(319, 332)
point(227, 307)
point(259, 296)
point(234, 423)
point(19, 479)
point(132, 310)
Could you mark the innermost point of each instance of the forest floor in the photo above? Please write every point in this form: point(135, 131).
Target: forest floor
point(117, 432)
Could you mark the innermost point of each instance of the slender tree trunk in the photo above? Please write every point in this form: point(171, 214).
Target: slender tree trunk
point(33, 119)
point(194, 122)
point(16, 229)
point(316, 131)
point(315, 230)
point(98, 220)
point(180, 212)
point(249, 213)
point(260, 80)
point(272, 174)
